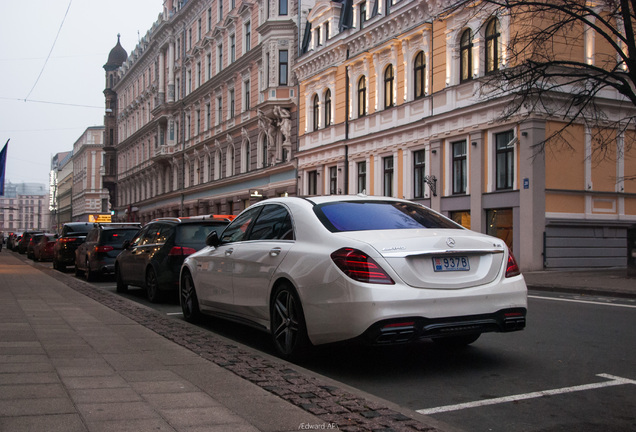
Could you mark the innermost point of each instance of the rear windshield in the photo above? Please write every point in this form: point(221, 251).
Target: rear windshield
point(118, 237)
point(194, 235)
point(77, 229)
point(379, 215)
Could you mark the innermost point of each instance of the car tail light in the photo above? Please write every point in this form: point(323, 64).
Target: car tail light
point(360, 267)
point(67, 240)
point(104, 249)
point(512, 269)
point(181, 251)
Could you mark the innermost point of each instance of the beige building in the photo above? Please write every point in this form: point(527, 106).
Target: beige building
point(88, 195)
point(390, 104)
point(24, 206)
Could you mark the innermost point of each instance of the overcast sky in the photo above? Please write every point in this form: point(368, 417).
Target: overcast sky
point(68, 95)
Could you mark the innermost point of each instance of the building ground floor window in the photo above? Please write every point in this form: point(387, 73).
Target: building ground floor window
point(461, 217)
point(499, 224)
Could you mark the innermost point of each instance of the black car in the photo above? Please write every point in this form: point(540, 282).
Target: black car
point(23, 244)
point(153, 258)
point(96, 255)
point(72, 235)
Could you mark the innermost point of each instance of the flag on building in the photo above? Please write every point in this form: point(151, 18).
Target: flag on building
point(3, 166)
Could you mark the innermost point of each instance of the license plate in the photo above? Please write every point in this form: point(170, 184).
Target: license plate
point(453, 263)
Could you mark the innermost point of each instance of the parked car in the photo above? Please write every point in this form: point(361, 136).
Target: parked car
point(23, 244)
point(334, 268)
point(43, 248)
point(72, 235)
point(153, 258)
point(96, 255)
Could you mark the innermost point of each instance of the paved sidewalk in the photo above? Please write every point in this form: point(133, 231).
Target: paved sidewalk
point(77, 358)
point(599, 282)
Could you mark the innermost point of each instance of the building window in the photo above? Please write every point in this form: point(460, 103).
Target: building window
point(282, 67)
point(362, 177)
point(219, 58)
point(208, 116)
point(499, 224)
point(461, 217)
point(459, 167)
point(419, 173)
point(248, 36)
point(388, 176)
point(492, 45)
point(198, 120)
point(282, 7)
point(505, 163)
point(363, 13)
point(209, 62)
point(312, 183)
point(316, 111)
point(231, 97)
point(327, 31)
point(317, 36)
point(219, 110)
point(209, 19)
point(327, 108)
point(333, 180)
point(232, 48)
point(220, 10)
point(362, 97)
point(246, 95)
point(389, 77)
point(199, 30)
point(264, 145)
point(466, 56)
point(419, 68)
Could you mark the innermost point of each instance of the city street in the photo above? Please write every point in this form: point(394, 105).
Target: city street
point(573, 368)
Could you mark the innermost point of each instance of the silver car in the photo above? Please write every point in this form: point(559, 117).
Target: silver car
point(375, 269)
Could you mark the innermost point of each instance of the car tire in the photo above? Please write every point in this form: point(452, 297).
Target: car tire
point(152, 286)
point(121, 286)
point(287, 323)
point(88, 274)
point(457, 341)
point(188, 299)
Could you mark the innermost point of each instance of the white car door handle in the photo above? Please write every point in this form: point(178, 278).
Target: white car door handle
point(275, 252)
point(229, 252)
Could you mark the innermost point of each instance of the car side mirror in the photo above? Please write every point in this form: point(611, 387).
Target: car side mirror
point(212, 239)
point(126, 244)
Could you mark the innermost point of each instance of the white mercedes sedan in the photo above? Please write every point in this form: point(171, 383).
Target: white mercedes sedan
point(333, 268)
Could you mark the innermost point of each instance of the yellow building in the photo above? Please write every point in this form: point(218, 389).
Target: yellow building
point(391, 103)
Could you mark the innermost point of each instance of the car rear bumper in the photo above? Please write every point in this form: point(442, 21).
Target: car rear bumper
point(382, 314)
point(409, 329)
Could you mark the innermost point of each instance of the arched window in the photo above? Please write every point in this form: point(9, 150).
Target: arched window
point(466, 56)
point(418, 75)
point(389, 77)
point(327, 108)
point(493, 34)
point(362, 97)
point(316, 105)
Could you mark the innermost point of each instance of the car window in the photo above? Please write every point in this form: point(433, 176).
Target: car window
point(237, 230)
point(164, 233)
point(117, 237)
point(151, 234)
point(273, 223)
point(379, 215)
point(197, 233)
point(138, 239)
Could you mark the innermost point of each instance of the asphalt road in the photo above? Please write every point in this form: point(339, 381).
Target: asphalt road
point(572, 369)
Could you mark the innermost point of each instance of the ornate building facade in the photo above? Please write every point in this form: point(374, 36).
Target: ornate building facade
point(206, 115)
point(391, 103)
